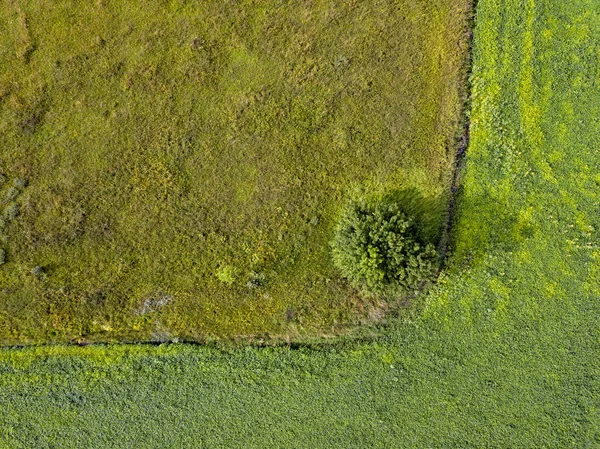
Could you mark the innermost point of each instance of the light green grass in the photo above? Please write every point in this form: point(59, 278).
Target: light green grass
point(176, 151)
point(506, 355)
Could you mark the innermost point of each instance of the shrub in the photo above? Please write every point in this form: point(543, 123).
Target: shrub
point(2, 257)
point(380, 249)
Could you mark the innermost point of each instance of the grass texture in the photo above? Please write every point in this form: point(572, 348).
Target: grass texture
point(506, 353)
point(186, 161)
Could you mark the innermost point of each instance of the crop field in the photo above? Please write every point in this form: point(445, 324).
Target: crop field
point(506, 353)
point(175, 169)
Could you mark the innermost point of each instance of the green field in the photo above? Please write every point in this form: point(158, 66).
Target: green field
point(506, 353)
point(186, 161)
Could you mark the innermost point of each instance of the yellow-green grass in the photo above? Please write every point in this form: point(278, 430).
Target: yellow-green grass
point(186, 161)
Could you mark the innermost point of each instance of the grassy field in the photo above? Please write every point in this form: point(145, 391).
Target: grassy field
point(506, 354)
point(186, 161)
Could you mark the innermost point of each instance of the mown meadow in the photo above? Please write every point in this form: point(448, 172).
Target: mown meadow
point(506, 353)
point(180, 165)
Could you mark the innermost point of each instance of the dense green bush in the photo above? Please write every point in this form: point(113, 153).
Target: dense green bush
point(380, 249)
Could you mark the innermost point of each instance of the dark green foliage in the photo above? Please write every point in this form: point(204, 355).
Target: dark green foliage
point(2, 256)
point(379, 247)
